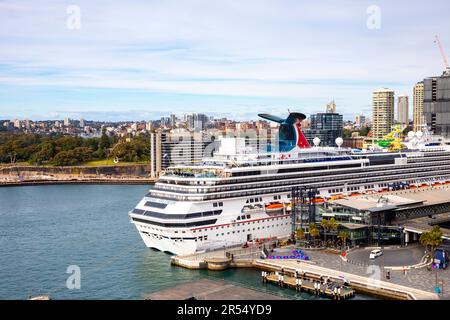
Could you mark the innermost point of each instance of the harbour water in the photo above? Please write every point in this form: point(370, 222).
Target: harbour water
point(46, 229)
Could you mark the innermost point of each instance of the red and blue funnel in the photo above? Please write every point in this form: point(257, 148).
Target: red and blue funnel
point(290, 133)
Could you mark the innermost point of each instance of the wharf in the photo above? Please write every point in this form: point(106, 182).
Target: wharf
point(361, 284)
point(250, 257)
point(308, 285)
point(206, 289)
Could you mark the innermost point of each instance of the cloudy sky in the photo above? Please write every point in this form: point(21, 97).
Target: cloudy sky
point(132, 60)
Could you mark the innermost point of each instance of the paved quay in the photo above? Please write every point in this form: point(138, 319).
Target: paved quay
point(420, 279)
point(392, 257)
point(364, 283)
point(414, 284)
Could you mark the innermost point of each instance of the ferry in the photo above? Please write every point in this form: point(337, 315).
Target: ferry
point(237, 196)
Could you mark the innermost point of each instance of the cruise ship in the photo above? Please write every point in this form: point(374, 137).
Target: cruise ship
point(237, 196)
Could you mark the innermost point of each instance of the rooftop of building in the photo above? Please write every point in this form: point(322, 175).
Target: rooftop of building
point(383, 90)
point(396, 199)
point(425, 224)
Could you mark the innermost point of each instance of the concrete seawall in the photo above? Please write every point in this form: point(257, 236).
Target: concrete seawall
point(37, 175)
point(138, 170)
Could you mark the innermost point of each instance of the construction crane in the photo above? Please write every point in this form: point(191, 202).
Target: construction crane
point(444, 57)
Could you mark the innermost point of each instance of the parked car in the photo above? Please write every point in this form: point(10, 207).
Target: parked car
point(375, 253)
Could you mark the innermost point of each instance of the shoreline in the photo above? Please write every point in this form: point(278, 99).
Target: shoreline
point(142, 181)
point(40, 175)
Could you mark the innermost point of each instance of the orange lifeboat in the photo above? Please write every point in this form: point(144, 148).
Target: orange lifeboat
point(274, 206)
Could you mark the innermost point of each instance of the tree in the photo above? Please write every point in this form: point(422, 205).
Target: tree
point(300, 233)
point(65, 158)
point(364, 131)
point(91, 143)
point(66, 143)
point(105, 143)
point(45, 154)
point(343, 235)
point(332, 225)
point(325, 226)
point(431, 239)
point(137, 149)
point(313, 231)
point(36, 149)
point(82, 154)
point(125, 151)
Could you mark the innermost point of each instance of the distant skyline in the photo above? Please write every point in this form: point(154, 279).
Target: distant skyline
point(140, 60)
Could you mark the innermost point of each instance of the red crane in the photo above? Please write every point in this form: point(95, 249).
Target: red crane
point(441, 49)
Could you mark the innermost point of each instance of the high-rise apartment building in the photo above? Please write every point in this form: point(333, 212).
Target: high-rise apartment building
point(196, 121)
point(173, 120)
point(418, 116)
point(382, 112)
point(403, 110)
point(360, 120)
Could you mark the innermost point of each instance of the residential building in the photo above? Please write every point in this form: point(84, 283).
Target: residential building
point(402, 110)
point(418, 116)
point(382, 112)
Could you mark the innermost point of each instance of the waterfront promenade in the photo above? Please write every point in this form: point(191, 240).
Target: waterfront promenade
point(420, 279)
point(366, 284)
point(367, 278)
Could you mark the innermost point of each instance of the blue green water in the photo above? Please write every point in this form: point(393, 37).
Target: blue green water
point(45, 229)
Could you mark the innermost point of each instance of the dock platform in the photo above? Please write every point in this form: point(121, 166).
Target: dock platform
point(301, 282)
point(361, 284)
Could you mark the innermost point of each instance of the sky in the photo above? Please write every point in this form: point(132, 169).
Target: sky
point(140, 60)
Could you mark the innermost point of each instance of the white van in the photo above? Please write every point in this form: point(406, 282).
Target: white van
point(375, 253)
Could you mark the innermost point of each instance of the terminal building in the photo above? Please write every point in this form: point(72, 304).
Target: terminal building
point(397, 217)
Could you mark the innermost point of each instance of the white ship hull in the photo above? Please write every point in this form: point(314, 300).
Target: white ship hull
point(217, 236)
